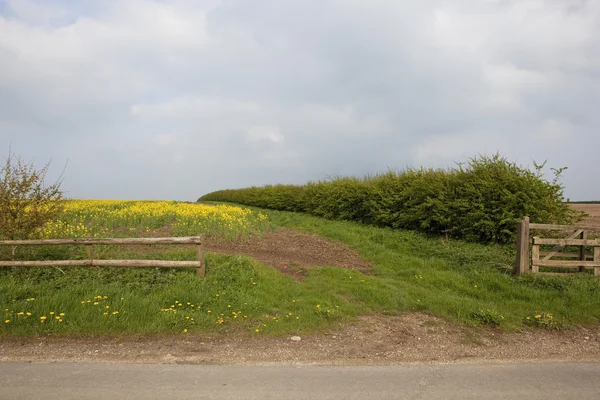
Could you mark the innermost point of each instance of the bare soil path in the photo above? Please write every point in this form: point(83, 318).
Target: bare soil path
point(292, 252)
point(372, 340)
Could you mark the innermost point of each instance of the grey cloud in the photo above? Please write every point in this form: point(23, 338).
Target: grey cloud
point(171, 99)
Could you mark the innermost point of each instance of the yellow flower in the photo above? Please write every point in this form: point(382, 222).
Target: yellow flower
point(62, 314)
point(185, 331)
point(51, 312)
point(115, 312)
point(43, 317)
point(29, 314)
point(7, 321)
point(20, 313)
point(257, 330)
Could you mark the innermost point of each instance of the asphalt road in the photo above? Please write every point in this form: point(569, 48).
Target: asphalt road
point(66, 381)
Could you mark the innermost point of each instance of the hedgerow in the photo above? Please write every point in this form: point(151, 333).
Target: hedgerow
point(479, 201)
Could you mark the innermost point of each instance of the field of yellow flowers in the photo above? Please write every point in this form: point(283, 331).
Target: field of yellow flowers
point(104, 218)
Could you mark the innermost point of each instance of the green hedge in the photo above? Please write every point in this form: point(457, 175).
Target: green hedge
point(479, 201)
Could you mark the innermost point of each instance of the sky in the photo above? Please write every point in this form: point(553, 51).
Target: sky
point(172, 99)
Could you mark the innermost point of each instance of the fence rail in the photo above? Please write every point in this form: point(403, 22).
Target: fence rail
point(92, 261)
point(531, 258)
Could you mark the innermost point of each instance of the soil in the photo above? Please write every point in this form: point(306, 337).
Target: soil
point(292, 252)
point(372, 340)
point(593, 211)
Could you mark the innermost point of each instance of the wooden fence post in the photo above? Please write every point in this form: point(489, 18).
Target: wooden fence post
point(597, 260)
point(201, 271)
point(89, 250)
point(522, 264)
point(582, 251)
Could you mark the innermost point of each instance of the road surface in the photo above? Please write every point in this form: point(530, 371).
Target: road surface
point(81, 381)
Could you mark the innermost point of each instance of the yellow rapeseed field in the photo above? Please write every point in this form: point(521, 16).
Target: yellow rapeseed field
point(105, 218)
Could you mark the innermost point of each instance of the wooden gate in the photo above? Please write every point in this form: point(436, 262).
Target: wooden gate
point(561, 255)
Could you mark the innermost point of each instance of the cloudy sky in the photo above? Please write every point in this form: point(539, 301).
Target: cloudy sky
point(171, 99)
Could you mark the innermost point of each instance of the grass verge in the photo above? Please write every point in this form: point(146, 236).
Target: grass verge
point(464, 282)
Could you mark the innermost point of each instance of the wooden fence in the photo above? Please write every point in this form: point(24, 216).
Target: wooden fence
point(91, 261)
point(578, 236)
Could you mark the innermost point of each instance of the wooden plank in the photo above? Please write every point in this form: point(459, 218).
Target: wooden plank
point(568, 264)
point(535, 258)
point(582, 251)
point(123, 241)
point(556, 249)
point(567, 242)
point(54, 263)
point(522, 262)
point(565, 255)
point(102, 263)
point(556, 273)
point(551, 227)
point(145, 263)
point(201, 271)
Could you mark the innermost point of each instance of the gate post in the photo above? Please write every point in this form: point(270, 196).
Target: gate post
point(522, 264)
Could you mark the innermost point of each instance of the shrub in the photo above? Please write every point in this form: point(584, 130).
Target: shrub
point(26, 202)
point(481, 201)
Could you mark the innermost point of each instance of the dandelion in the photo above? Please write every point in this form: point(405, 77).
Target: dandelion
point(43, 318)
point(122, 299)
point(20, 313)
point(82, 301)
point(60, 320)
point(185, 331)
point(7, 321)
point(51, 312)
point(57, 318)
point(105, 313)
point(115, 312)
point(96, 303)
point(107, 307)
point(318, 306)
point(62, 314)
point(28, 314)
point(257, 330)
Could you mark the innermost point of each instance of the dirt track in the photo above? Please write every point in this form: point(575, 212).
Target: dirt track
point(372, 340)
point(292, 252)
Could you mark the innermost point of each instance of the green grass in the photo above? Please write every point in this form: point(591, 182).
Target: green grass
point(463, 282)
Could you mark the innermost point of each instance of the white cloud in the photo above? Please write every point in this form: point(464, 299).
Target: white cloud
point(263, 92)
